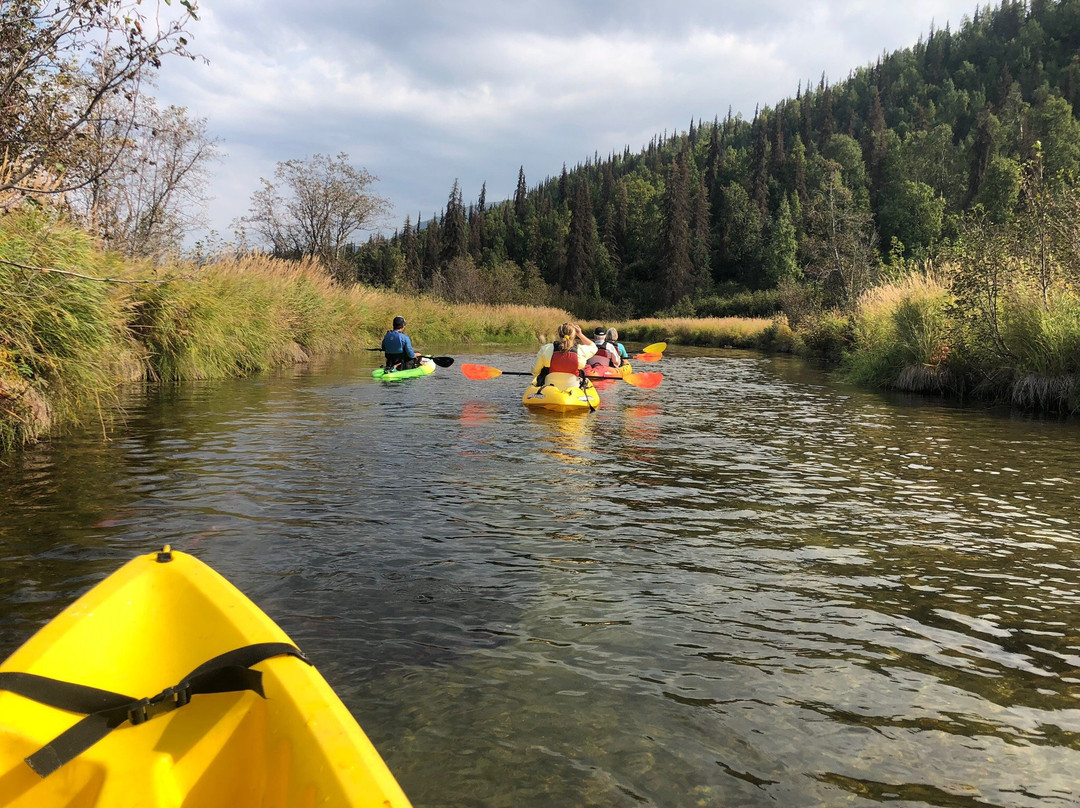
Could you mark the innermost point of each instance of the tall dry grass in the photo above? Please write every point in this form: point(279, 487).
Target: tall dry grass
point(62, 336)
point(432, 321)
point(76, 322)
point(1041, 336)
point(901, 336)
point(706, 332)
point(244, 316)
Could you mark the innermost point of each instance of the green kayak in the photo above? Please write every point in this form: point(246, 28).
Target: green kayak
point(426, 367)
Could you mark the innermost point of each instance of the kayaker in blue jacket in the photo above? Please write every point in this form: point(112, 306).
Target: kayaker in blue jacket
point(613, 337)
point(399, 348)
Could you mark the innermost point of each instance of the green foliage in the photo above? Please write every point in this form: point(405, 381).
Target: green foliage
point(758, 303)
point(827, 336)
point(1043, 335)
point(1000, 189)
point(913, 215)
point(779, 337)
point(741, 241)
point(781, 249)
point(840, 242)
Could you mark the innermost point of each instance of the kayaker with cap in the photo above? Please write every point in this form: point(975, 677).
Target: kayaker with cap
point(399, 348)
point(607, 353)
point(560, 363)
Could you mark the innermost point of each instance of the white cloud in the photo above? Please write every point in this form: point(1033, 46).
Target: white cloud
point(472, 91)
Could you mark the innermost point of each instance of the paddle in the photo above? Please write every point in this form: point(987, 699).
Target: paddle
point(441, 361)
point(652, 353)
point(482, 372)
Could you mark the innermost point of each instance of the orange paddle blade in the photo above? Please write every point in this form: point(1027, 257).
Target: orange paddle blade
point(646, 380)
point(648, 357)
point(480, 372)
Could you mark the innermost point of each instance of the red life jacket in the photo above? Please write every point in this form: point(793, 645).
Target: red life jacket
point(600, 359)
point(564, 362)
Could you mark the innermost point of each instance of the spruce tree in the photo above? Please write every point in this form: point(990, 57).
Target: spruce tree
point(410, 251)
point(521, 195)
point(828, 124)
point(675, 270)
point(454, 232)
point(478, 241)
point(580, 241)
point(759, 176)
point(781, 248)
point(701, 237)
point(430, 263)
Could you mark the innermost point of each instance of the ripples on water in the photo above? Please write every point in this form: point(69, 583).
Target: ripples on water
point(750, 586)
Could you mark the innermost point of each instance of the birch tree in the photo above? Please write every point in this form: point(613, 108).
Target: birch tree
point(61, 61)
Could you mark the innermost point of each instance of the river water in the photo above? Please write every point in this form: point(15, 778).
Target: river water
point(750, 586)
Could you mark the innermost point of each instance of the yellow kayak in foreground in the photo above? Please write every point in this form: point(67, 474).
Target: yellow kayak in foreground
point(186, 694)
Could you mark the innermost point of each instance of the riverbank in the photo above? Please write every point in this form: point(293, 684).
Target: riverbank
point(1005, 342)
point(76, 323)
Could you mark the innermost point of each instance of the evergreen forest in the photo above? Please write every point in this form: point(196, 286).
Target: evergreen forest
point(809, 203)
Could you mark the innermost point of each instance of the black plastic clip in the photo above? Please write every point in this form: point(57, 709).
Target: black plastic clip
point(166, 701)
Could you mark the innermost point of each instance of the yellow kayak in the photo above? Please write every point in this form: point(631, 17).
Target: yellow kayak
point(550, 397)
point(182, 693)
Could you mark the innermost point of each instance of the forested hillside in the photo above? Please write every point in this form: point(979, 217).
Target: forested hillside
point(821, 193)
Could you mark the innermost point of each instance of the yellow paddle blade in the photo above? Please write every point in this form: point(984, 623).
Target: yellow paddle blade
point(656, 347)
point(480, 372)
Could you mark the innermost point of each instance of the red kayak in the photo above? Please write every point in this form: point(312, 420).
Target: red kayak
point(600, 372)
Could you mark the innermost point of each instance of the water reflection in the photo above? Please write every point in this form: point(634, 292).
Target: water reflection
point(750, 586)
point(565, 437)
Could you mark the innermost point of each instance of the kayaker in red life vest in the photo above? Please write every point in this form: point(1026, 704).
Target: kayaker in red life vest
point(607, 352)
point(560, 363)
point(399, 348)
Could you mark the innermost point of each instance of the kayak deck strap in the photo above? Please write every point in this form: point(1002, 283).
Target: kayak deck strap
point(105, 710)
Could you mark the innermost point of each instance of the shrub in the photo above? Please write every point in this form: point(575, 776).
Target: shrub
point(759, 303)
point(901, 336)
point(779, 337)
point(826, 336)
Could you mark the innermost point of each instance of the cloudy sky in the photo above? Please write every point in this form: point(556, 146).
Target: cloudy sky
point(425, 92)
